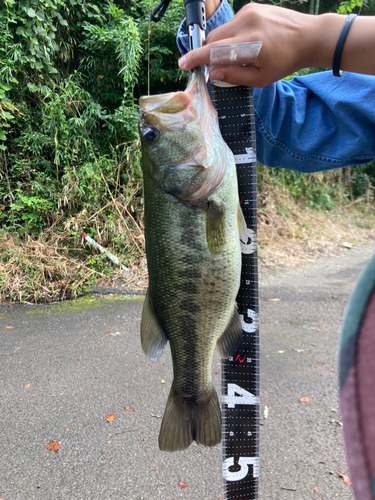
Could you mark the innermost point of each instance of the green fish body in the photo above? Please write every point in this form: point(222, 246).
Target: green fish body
point(192, 220)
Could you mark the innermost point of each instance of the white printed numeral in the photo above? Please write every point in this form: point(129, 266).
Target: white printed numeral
point(244, 463)
point(244, 397)
point(249, 156)
point(250, 246)
point(254, 325)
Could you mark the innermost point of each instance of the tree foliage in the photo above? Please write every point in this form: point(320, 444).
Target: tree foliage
point(67, 77)
point(71, 73)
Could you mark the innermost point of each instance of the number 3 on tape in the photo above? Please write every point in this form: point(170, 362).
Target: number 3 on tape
point(243, 463)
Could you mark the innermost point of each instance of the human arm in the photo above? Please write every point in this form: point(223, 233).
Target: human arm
point(316, 122)
point(291, 41)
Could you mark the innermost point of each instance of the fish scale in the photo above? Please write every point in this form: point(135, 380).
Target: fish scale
point(240, 373)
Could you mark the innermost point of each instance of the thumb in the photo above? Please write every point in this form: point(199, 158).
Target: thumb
point(195, 58)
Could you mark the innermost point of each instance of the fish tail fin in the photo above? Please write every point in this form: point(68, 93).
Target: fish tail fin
point(190, 419)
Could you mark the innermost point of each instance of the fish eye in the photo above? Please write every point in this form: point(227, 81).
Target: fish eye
point(151, 134)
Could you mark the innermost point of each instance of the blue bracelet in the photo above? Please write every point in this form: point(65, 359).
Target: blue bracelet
point(340, 44)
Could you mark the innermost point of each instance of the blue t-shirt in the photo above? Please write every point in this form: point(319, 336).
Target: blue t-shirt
point(311, 123)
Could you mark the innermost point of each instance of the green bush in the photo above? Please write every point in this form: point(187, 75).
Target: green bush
point(71, 74)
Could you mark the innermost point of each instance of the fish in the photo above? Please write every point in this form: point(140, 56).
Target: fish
point(193, 225)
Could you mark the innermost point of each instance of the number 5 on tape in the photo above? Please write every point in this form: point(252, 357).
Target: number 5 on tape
point(244, 463)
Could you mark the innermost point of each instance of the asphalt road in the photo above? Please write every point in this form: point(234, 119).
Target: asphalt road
point(65, 367)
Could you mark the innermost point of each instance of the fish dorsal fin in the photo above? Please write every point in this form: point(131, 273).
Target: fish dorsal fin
point(228, 343)
point(242, 227)
point(215, 226)
point(153, 338)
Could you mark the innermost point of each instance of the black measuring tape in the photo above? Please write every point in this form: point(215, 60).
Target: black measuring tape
point(240, 373)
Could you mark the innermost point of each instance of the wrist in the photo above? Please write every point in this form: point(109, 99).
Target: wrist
point(327, 30)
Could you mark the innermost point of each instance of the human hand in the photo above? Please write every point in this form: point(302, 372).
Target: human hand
point(291, 41)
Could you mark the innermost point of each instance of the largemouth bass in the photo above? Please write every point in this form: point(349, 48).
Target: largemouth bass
point(192, 221)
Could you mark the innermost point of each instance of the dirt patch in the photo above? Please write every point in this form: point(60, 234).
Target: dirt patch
point(298, 237)
point(57, 267)
point(284, 241)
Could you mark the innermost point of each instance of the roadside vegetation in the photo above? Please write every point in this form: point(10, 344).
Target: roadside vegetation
point(71, 73)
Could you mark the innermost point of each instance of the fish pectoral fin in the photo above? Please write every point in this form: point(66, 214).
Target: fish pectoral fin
point(153, 338)
point(242, 227)
point(228, 343)
point(215, 226)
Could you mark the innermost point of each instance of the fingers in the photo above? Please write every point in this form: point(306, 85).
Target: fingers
point(201, 56)
point(222, 32)
point(219, 36)
point(249, 76)
point(194, 58)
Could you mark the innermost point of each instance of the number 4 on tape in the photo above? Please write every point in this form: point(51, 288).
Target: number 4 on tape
point(243, 397)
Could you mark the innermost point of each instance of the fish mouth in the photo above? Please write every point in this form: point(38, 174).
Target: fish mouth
point(174, 110)
point(193, 113)
point(173, 102)
point(171, 111)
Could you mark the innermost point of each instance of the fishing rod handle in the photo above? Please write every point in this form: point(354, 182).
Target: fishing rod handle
point(195, 11)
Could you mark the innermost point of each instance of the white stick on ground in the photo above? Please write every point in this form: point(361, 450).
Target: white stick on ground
point(103, 250)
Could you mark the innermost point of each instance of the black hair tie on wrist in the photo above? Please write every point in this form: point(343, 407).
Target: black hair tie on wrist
point(340, 44)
